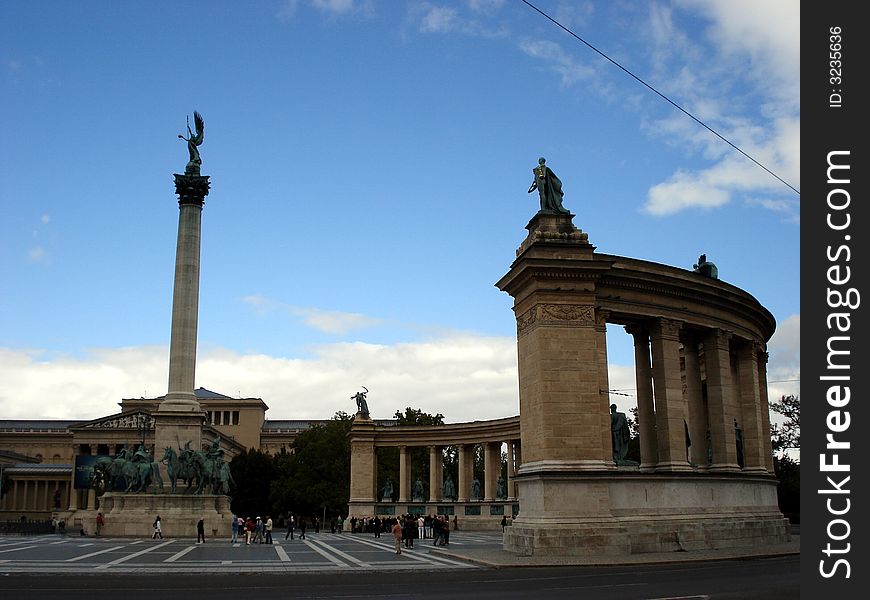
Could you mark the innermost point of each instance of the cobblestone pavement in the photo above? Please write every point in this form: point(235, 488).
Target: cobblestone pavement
point(322, 552)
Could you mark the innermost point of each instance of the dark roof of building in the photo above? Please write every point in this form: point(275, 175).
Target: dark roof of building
point(287, 424)
point(38, 469)
point(41, 425)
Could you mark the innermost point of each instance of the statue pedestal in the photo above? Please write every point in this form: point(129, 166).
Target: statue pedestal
point(172, 429)
point(132, 515)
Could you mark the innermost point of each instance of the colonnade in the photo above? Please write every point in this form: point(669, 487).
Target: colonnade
point(465, 454)
point(701, 399)
point(35, 495)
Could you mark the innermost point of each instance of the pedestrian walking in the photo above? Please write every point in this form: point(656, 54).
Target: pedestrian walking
point(200, 532)
point(291, 525)
point(100, 523)
point(397, 536)
point(158, 529)
point(503, 523)
point(249, 528)
point(235, 527)
point(268, 529)
point(301, 528)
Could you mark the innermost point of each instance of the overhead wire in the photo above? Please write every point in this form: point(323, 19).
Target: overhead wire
point(661, 95)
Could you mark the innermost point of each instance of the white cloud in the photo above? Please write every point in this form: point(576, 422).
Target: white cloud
point(752, 60)
point(327, 321)
point(37, 254)
point(335, 7)
point(44, 219)
point(463, 377)
point(439, 19)
point(557, 60)
point(684, 190)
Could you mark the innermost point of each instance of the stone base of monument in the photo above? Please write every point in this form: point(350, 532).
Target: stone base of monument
point(132, 515)
point(602, 514)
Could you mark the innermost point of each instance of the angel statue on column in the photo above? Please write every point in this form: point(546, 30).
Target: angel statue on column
point(193, 141)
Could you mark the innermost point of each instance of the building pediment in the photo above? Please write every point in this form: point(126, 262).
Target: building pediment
point(136, 420)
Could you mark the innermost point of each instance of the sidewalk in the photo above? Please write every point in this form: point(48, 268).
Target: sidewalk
point(500, 558)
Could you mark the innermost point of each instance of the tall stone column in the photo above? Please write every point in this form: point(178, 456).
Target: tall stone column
point(670, 404)
point(436, 474)
point(601, 317)
point(750, 408)
point(720, 402)
point(762, 355)
point(191, 190)
point(512, 459)
point(646, 416)
point(73, 492)
point(179, 418)
point(404, 473)
point(491, 468)
point(466, 467)
point(363, 467)
point(695, 402)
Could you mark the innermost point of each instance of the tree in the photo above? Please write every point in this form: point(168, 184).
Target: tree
point(415, 416)
point(252, 471)
point(315, 478)
point(788, 435)
point(787, 470)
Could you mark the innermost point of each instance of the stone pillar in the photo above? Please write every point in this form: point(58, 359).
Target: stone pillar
point(511, 470)
point(695, 403)
point(670, 404)
point(191, 190)
point(646, 416)
point(762, 355)
point(363, 465)
point(404, 474)
point(750, 408)
point(717, 360)
point(601, 317)
point(466, 468)
point(436, 474)
point(491, 467)
point(73, 492)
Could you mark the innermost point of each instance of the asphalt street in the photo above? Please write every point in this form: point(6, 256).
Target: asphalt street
point(344, 566)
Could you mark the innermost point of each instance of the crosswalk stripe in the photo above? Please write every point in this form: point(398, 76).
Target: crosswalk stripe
point(344, 555)
point(326, 555)
point(134, 555)
point(179, 554)
point(84, 556)
point(282, 554)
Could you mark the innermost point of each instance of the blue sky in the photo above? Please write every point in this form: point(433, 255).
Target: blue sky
point(369, 165)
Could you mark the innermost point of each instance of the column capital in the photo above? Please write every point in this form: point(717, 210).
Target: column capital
point(666, 329)
point(720, 337)
point(637, 330)
point(191, 189)
point(601, 316)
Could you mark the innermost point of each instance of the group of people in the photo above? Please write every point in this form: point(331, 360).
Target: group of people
point(252, 530)
point(406, 527)
point(423, 526)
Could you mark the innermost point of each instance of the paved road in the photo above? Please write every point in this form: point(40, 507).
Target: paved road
point(768, 579)
point(318, 553)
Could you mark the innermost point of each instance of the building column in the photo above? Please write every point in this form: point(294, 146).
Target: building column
point(695, 403)
point(491, 467)
point(436, 474)
point(670, 404)
point(601, 317)
point(466, 469)
point(73, 492)
point(511, 470)
point(646, 415)
point(720, 391)
point(750, 408)
point(762, 356)
point(404, 473)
